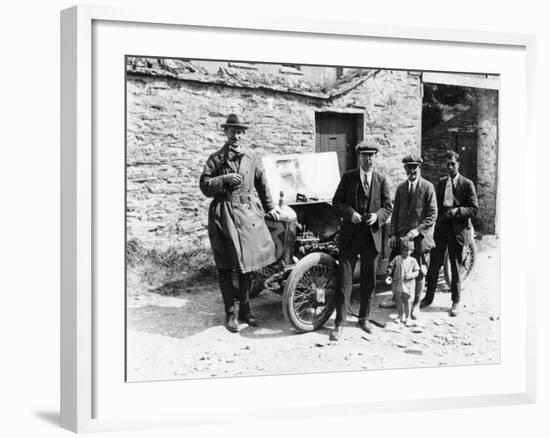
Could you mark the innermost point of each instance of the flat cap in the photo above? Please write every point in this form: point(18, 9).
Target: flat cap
point(364, 148)
point(412, 159)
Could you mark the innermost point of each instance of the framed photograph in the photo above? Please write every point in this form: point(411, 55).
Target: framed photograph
point(285, 208)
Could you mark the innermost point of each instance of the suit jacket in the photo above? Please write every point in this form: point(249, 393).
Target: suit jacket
point(345, 202)
point(466, 202)
point(420, 214)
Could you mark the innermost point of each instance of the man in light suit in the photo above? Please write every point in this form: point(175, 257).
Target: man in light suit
point(457, 204)
point(414, 215)
point(363, 201)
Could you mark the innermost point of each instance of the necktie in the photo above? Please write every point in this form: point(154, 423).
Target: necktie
point(448, 199)
point(366, 185)
point(410, 195)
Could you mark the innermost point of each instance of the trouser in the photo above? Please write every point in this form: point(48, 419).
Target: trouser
point(444, 241)
point(422, 258)
point(230, 293)
point(362, 246)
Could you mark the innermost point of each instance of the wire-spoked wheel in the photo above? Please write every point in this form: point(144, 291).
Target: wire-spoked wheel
point(469, 257)
point(309, 298)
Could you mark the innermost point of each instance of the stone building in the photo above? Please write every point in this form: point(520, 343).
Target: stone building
point(174, 112)
point(175, 108)
point(472, 133)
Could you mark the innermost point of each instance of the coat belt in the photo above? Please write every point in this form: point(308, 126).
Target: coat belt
point(235, 197)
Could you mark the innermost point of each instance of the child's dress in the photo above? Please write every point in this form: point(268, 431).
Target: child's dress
point(403, 268)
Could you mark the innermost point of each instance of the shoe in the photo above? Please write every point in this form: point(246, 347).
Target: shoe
point(378, 323)
point(415, 311)
point(336, 334)
point(364, 325)
point(231, 323)
point(387, 305)
point(425, 303)
point(454, 310)
point(249, 319)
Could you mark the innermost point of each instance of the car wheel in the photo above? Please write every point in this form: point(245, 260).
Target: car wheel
point(309, 297)
point(469, 258)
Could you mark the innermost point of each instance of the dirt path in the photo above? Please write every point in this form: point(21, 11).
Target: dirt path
point(175, 337)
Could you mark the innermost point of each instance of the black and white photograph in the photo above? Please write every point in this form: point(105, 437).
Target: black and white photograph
point(290, 218)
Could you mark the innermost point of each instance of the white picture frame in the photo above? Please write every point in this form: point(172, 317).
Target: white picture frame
point(83, 365)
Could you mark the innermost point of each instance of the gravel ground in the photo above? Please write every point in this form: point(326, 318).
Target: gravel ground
point(182, 336)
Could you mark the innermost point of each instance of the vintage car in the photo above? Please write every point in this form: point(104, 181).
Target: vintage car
point(305, 239)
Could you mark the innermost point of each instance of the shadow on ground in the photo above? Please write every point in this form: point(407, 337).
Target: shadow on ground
point(179, 310)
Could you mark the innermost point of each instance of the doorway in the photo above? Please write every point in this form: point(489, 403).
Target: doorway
point(340, 133)
point(466, 147)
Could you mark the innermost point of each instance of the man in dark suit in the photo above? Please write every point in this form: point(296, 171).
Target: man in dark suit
point(363, 201)
point(414, 215)
point(457, 204)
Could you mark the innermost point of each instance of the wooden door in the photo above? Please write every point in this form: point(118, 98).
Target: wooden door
point(466, 146)
point(339, 133)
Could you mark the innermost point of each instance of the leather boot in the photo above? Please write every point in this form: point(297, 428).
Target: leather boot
point(336, 334)
point(249, 319)
point(454, 310)
point(231, 322)
point(364, 325)
point(246, 316)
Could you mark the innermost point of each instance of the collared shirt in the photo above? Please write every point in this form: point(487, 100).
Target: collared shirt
point(231, 153)
point(367, 175)
point(450, 186)
point(413, 184)
point(455, 180)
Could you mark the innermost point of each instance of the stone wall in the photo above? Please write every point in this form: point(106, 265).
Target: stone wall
point(487, 159)
point(391, 104)
point(173, 125)
point(481, 121)
point(441, 138)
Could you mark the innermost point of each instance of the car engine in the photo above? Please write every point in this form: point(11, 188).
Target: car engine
point(308, 241)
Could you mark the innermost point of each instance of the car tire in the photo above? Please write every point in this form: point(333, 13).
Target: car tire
point(309, 297)
point(469, 263)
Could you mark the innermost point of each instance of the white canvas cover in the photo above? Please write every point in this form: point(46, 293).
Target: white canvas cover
point(315, 175)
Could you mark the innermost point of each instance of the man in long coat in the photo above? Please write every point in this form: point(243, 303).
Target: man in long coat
point(457, 204)
point(414, 215)
point(239, 237)
point(363, 201)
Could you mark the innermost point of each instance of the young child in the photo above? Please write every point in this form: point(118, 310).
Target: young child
point(404, 269)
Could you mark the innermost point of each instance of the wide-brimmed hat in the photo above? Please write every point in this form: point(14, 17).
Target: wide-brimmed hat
point(233, 121)
point(365, 148)
point(412, 159)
